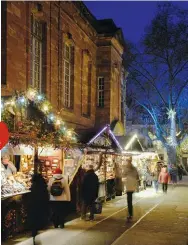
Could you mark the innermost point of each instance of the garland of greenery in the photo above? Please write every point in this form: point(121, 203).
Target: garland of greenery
point(50, 130)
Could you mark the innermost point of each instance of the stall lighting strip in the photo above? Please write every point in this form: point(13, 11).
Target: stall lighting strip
point(111, 133)
point(130, 142)
point(97, 135)
point(114, 138)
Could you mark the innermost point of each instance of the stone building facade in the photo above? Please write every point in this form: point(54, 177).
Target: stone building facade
point(66, 53)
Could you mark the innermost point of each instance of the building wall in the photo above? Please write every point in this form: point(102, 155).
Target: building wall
point(109, 66)
point(64, 23)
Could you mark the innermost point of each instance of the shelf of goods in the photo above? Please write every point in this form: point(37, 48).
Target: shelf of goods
point(19, 182)
point(72, 161)
point(48, 165)
point(15, 195)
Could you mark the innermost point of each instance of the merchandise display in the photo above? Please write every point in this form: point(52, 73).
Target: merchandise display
point(110, 166)
point(48, 165)
point(26, 163)
point(72, 161)
point(19, 183)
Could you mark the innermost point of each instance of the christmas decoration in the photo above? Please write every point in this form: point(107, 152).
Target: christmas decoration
point(42, 132)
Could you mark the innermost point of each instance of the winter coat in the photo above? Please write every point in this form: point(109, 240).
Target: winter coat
point(38, 210)
point(164, 177)
point(10, 170)
point(180, 170)
point(130, 178)
point(65, 196)
point(90, 187)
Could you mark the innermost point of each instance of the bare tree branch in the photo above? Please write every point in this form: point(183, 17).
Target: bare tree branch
point(181, 90)
point(179, 70)
point(153, 84)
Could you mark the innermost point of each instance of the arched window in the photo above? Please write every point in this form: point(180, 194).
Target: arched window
point(36, 53)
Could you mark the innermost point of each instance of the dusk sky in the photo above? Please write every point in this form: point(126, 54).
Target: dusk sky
point(131, 16)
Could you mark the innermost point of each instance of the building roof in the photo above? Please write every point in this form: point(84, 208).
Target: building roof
point(104, 139)
point(105, 27)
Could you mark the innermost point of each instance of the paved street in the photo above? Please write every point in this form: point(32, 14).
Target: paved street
point(159, 220)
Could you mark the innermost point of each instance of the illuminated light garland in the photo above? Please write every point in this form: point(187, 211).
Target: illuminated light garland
point(42, 104)
point(22, 100)
point(51, 117)
point(12, 102)
point(58, 122)
point(39, 97)
point(45, 108)
point(69, 133)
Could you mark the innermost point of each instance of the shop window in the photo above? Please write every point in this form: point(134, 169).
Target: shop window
point(68, 86)
point(100, 90)
point(38, 54)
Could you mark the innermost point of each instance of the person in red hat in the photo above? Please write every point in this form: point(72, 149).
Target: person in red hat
point(59, 197)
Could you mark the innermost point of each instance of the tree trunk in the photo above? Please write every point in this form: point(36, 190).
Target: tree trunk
point(171, 153)
point(173, 130)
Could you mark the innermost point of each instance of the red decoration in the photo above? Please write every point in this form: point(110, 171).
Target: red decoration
point(4, 135)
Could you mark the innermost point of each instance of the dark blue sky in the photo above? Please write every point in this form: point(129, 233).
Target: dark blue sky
point(131, 16)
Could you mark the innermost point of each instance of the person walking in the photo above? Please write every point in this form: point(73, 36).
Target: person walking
point(130, 179)
point(38, 205)
point(89, 192)
point(180, 172)
point(155, 178)
point(59, 197)
point(164, 179)
point(174, 174)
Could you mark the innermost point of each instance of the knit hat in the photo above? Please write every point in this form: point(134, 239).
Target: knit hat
point(58, 171)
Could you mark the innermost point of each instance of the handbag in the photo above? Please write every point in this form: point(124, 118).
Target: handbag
point(97, 207)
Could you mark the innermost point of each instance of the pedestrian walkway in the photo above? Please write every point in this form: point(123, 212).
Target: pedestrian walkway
point(158, 220)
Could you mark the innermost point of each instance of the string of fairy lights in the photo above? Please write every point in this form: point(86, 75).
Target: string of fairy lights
point(22, 100)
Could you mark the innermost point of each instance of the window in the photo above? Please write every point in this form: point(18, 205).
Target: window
point(67, 76)
point(100, 92)
point(36, 54)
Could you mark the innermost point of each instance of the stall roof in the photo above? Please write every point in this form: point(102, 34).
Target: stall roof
point(104, 138)
point(130, 142)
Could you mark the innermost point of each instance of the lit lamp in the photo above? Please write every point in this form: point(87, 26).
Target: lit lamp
point(31, 94)
point(45, 108)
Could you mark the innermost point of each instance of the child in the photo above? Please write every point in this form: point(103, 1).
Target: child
point(164, 179)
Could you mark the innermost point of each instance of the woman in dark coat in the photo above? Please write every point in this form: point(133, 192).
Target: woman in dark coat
point(89, 192)
point(38, 205)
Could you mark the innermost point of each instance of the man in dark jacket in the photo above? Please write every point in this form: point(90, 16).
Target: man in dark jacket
point(89, 192)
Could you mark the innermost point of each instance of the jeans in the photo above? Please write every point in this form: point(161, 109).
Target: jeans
point(130, 202)
point(156, 185)
point(164, 187)
point(91, 207)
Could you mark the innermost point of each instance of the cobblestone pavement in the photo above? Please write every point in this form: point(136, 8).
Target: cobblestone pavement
point(159, 219)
